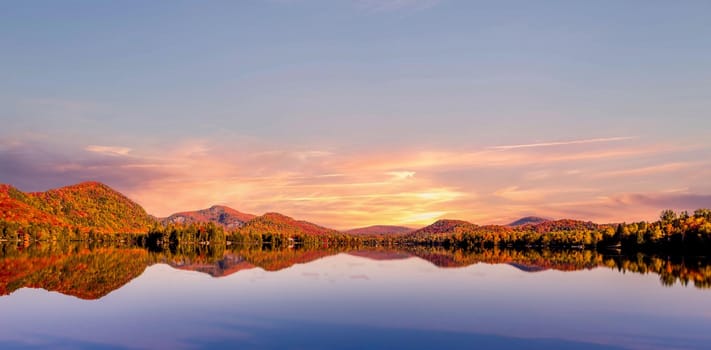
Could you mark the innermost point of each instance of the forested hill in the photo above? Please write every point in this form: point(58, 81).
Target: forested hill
point(274, 223)
point(75, 212)
point(84, 207)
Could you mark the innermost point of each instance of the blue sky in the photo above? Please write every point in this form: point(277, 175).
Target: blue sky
point(328, 84)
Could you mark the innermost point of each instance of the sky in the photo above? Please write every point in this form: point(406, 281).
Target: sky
point(351, 113)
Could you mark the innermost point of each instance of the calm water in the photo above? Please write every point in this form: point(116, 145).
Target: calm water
point(337, 300)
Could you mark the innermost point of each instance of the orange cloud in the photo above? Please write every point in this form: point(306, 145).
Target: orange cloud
point(344, 189)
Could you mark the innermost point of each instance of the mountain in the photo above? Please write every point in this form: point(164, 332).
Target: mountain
point(278, 224)
point(444, 227)
point(84, 206)
point(219, 214)
point(19, 208)
point(379, 230)
point(528, 220)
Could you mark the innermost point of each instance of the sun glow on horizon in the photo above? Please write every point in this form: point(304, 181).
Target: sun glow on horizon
point(353, 189)
point(381, 112)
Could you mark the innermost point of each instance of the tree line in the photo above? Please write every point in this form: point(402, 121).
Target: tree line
point(673, 232)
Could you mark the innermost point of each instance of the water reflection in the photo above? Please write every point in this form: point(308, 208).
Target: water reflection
point(92, 271)
point(415, 297)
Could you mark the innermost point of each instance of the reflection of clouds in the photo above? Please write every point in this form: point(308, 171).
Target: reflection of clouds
point(313, 275)
point(359, 277)
point(587, 180)
point(476, 273)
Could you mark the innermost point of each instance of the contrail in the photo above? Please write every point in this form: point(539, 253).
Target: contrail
point(562, 143)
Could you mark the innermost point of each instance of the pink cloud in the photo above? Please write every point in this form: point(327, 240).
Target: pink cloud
point(347, 189)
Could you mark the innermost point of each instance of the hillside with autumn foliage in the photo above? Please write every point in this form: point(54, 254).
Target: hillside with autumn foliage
point(278, 224)
point(93, 211)
point(443, 227)
point(81, 208)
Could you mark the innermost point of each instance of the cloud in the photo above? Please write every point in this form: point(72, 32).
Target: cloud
point(38, 167)
point(650, 170)
point(304, 155)
point(515, 194)
point(514, 158)
point(342, 189)
point(563, 143)
point(401, 175)
point(679, 201)
point(108, 150)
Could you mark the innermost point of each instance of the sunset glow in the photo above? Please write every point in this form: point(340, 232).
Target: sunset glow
point(379, 113)
point(347, 189)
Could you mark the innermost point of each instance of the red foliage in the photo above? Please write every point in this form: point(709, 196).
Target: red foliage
point(561, 225)
point(85, 206)
point(445, 227)
point(276, 223)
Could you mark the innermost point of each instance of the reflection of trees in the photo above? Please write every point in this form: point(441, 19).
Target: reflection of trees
point(92, 271)
point(82, 271)
point(565, 260)
point(671, 269)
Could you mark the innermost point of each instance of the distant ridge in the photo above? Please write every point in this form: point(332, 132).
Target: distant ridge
point(379, 230)
point(219, 214)
point(528, 220)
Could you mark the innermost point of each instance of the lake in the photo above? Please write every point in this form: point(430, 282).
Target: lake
point(110, 297)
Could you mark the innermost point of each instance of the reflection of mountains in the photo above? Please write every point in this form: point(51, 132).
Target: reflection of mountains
point(226, 266)
point(81, 272)
point(248, 259)
point(273, 260)
point(91, 273)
